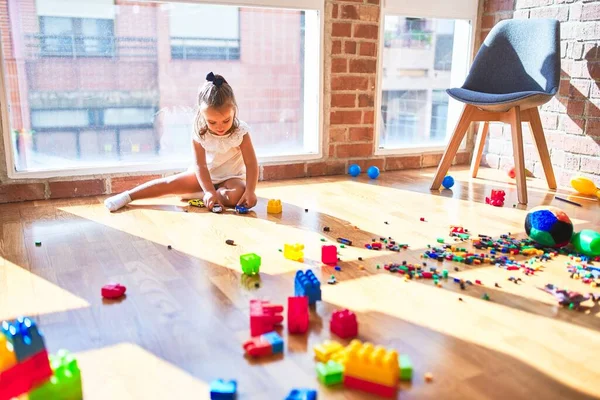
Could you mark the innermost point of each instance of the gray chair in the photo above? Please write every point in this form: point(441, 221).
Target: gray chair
point(516, 70)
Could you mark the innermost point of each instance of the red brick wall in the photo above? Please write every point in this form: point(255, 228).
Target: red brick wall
point(350, 83)
point(572, 119)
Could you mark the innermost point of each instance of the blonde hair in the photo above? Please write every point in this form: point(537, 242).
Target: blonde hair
point(215, 93)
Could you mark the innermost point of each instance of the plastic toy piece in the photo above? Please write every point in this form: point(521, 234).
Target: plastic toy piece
point(223, 390)
point(331, 373)
point(587, 242)
point(406, 367)
point(496, 199)
point(372, 364)
point(329, 255)
point(307, 284)
point(298, 317)
point(8, 359)
point(275, 340)
point(343, 324)
point(196, 203)
point(354, 170)
point(24, 337)
point(274, 207)
point(585, 186)
point(217, 209)
point(25, 375)
point(250, 263)
point(264, 317)
point(241, 210)
point(347, 242)
point(370, 387)
point(302, 394)
point(113, 291)
point(325, 350)
point(294, 252)
point(428, 377)
point(38, 244)
point(258, 347)
point(65, 384)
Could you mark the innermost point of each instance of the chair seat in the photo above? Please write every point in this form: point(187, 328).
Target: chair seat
point(483, 99)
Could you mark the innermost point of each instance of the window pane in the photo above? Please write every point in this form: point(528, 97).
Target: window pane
point(417, 68)
point(107, 83)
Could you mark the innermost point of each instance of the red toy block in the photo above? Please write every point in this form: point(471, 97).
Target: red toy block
point(496, 199)
point(113, 291)
point(258, 347)
point(343, 323)
point(370, 387)
point(427, 274)
point(298, 314)
point(329, 255)
point(25, 376)
point(264, 317)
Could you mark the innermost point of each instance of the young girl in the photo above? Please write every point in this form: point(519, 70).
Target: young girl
point(225, 171)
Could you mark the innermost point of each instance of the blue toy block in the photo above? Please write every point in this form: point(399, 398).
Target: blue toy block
point(307, 284)
point(302, 394)
point(223, 390)
point(24, 336)
point(275, 340)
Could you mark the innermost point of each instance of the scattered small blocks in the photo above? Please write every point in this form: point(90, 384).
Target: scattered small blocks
point(223, 390)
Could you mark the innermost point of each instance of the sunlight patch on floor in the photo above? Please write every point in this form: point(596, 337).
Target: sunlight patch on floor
point(25, 294)
point(507, 331)
point(126, 371)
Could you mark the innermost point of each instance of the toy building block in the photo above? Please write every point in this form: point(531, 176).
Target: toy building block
point(372, 364)
point(294, 252)
point(8, 359)
point(302, 394)
point(325, 350)
point(274, 207)
point(343, 323)
point(223, 390)
point(258, 347)
point(329, 255)
point(65, 384)
point(264, 317)
point(298, 317)
point(406, 368)
point(113, 291)
point(250, 263)
point(275, 340)
point(370, 387)
point(307, 284)
point(331, 373)
point(24, 376)
point(24, 336)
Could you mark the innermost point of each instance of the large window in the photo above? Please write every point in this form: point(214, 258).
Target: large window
point(421, 57)
point(99, 86)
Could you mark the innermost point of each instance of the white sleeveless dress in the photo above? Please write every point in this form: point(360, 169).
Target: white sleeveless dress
point(223, 155)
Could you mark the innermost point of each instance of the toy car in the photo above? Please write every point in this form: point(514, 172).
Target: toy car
point(241, 210)
point(217, 208)
point(196, 202)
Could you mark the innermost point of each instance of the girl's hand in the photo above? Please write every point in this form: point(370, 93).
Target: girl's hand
point(248, 199)
point(210, 199)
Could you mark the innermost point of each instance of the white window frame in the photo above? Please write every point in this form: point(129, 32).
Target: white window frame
point(456, 9)
point(314, 71)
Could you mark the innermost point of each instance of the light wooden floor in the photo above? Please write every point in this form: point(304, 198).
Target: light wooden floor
point(186, 313)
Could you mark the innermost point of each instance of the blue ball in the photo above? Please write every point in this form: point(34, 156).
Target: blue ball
point(448, 182)
point(373, 172)
point(354, 170)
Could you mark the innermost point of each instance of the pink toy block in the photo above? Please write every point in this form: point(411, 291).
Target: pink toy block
point(343, 323)
point(298, 314)
point(329, 255)
point(264, 317)
point(25, 376)
point(370, 387)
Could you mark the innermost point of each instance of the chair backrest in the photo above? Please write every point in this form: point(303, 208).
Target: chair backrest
point(518, 55)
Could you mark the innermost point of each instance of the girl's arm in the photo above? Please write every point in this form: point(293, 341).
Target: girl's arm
point(251, 163)
point(202, 173)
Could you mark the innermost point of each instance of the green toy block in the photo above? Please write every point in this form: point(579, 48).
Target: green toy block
point(445, 274)
point(440, 240)
point(250, 263)
point(331, 373)
point(406, 368)
point(65, 383)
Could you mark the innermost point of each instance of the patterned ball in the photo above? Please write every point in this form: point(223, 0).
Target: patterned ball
point(549, 226)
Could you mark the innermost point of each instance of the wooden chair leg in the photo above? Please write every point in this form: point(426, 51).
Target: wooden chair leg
point(537, 132)
point(479, 145)
point(452, 149)
point(517, 142)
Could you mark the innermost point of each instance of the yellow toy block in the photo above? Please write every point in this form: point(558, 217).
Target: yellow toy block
point(294, 252)
point(325, 350)
point(274, 207)
point(8, 359)
point(372, 363)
